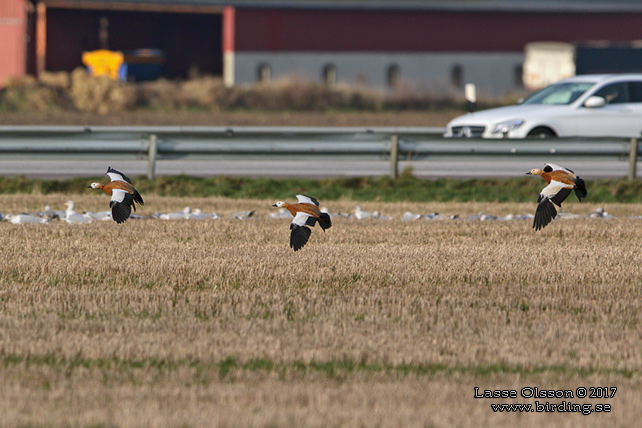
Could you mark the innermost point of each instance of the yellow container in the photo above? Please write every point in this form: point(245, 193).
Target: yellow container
point(103, 62)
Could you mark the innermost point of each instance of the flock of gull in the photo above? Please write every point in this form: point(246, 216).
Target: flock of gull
point(71, 216)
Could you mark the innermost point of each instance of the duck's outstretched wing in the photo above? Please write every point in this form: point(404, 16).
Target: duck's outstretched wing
point(544, 213)
point(121, 205)
point(554, 193)
point(300, 232)
point(117, 175)
point(550, 167)
point(305, 199)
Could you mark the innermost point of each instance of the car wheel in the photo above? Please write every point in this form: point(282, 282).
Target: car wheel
point(542, 132)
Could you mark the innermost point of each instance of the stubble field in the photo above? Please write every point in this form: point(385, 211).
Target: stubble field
point(374, 323)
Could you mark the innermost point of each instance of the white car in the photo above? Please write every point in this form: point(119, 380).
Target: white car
point(605, 105)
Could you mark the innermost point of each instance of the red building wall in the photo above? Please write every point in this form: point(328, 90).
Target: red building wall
point(13, 46)
point(326, 30)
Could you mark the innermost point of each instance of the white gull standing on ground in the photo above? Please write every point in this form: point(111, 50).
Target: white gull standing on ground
point(198, 214)
point(73, 217)
point(176, 215)
point(25, 219)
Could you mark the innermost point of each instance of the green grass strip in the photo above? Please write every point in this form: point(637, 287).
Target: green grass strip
point(406, 188)
point(334, 369)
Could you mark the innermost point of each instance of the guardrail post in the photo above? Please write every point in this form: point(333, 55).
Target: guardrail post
point(394, 156)
point(151, 160)
point(633, 159)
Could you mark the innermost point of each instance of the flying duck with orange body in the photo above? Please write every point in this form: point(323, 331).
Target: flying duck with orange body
point(123, 195)
point(561, 181)
point(306, 213)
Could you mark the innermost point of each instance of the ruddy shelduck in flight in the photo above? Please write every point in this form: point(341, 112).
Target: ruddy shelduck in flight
point(306, 213)
point(560, 182)
point(123, 195)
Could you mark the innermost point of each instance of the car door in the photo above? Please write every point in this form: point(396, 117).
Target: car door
point(635, 99)
point(618, 118)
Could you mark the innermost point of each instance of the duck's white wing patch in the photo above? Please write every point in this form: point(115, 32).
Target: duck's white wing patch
point(117, 175)
point(556, 192)
point(554, 188)
point(118, 195)
point(300, 219)
point(304, 199)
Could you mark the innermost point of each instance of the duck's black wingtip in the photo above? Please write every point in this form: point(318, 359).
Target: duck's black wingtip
point(544, 214)
point(299, 236)
point(119, 212)
point(580, 189)
point(324, 221)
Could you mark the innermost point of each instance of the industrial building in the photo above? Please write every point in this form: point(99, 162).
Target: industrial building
point(429, 46)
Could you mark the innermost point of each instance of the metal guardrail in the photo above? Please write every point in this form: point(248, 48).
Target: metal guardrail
point(174, 142)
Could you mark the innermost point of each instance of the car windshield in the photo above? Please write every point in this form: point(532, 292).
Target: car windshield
point(558, 93)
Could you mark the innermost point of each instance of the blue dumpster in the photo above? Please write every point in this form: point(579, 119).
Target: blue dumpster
point(144, 64)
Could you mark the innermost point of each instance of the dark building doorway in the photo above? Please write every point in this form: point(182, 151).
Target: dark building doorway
point(191, 43)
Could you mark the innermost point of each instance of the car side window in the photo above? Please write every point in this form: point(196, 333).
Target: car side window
point(615, 93)
point(635, 89)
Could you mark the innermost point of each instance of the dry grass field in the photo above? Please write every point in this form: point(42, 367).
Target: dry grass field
point(374, 323)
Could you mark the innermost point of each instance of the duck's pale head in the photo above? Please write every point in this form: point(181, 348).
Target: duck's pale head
point(95, 186)
point(279, 204)
point(535, 171)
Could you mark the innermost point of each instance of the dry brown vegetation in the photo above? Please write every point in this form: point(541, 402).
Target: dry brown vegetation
point(255, 118)
point(79, 91)
point(77, 99)
point(374, 323)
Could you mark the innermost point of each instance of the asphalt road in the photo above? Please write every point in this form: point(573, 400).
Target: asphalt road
point(313, 168)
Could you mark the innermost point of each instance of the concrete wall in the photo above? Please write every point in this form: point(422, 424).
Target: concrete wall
point(495, 74)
